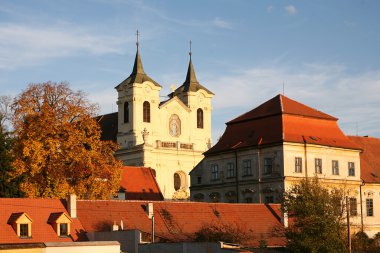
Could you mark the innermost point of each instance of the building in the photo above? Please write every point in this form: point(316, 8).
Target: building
point(53, 225)
point(168, 136)
point(268, 149)
point(369, 191)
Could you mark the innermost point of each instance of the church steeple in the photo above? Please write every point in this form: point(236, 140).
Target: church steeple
point(191, 83)
point(138, 74)
point(191, 79)
point(138, 67)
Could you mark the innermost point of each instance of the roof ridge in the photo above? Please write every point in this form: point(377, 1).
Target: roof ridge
point(281, 104)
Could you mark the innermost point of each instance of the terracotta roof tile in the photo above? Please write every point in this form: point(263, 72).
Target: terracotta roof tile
point(39, 211)
point(140, 183)
point(282, 105)
point(279, 120)
point(369, 158)
point(178, 221)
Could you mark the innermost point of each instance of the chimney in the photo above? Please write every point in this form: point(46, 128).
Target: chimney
point(72, 205)
point(115, 227)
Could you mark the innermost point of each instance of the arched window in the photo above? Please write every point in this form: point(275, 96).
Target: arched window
point(146, 112)
point(180, 181)
point(126, 112)
point(199, 118)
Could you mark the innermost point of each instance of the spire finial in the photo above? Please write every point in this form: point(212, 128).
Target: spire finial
point(137, 39)
point(190, 53)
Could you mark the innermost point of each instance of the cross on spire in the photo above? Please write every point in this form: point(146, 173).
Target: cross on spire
point(190, 53)
point(137, 39)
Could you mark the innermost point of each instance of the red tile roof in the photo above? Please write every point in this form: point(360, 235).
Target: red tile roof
point(178, 221)
point(279, 120)
point(369, 158)
point(39, 210)
point(140, 183)
point(282, 105)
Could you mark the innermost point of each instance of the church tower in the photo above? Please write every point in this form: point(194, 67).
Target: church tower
point(138, 99)
point(168, 136)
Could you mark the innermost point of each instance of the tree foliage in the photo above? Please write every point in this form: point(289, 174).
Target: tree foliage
point(58, 148)
point(225, 232)
point(316, 217)
point(8, 186)
point(361, 243)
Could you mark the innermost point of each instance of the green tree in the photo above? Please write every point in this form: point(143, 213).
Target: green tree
point(316, 218)
point(8, 186)
point(58, 148)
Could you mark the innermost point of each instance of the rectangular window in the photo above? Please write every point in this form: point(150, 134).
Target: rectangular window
point(24, 230)
point(63, 229)
point(298, 165)
point(230, 170)
point(369, 205)
point(247, 169)
point(199, 180)
point(335, 167)
point(318, 165)
point(353, 207)
point(351, 169)
point(268, 166)
point(214, 172)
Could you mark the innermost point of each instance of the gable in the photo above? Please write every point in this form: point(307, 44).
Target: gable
point(19, 218)
point(176, 101)
point(60, 217)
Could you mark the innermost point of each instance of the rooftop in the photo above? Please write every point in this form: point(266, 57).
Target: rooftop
point(280, 120)
point(139, 183)
point(39, 211)
point(179, 221)
point(369, 158)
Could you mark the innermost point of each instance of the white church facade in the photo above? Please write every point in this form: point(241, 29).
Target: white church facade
point(168, 136)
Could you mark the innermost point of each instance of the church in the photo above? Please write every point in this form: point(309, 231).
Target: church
point(169, 136)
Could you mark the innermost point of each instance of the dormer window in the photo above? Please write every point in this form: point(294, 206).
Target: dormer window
point(24, 230)
point(22, 224)
point(61, 223)
point(63, 229)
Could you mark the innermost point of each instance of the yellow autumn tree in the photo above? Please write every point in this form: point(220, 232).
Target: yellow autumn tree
point(58, 148)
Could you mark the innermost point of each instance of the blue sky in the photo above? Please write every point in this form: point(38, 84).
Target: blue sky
point(326, 53)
